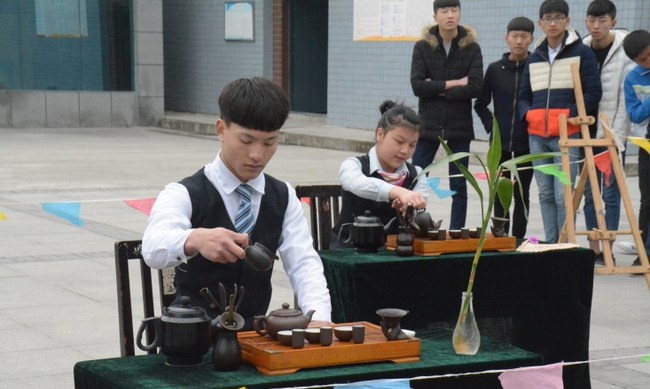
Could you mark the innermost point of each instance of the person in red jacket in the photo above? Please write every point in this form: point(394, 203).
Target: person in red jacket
point(546, 93)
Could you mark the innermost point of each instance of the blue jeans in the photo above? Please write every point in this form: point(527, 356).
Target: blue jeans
point(551, 190)
point(611, 197)
point(424, 153)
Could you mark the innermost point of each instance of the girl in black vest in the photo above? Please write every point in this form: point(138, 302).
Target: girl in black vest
point(382, 180)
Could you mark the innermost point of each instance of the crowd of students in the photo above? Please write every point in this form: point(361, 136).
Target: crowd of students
point(202, 224)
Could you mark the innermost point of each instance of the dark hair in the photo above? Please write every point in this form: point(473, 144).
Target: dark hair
point(394, 114)
point(601, 8)
point(437, 4)
point(635, 42)
point(521, 23)
point(550, 6)
point(254, 103)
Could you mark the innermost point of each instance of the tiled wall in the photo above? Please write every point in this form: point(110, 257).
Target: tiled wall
point(199, 62)
point(363, 74)
point(144, 106)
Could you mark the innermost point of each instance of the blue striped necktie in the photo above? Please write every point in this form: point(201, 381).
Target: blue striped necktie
point(244, 218)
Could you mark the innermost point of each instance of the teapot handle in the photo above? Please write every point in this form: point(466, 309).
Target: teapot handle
point(156, 340)
point(349, 239)
point(260, 325)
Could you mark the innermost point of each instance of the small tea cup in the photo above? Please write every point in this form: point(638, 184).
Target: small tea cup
point(343, 333)
point(433, 234)
point(454, 234)
point(285, 337)
point(312, 335)
point(442, 234)
point(358, 333)
point(464, 233)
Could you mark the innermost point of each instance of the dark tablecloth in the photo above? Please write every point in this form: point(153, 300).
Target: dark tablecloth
point(437, 357)
point(539, 302)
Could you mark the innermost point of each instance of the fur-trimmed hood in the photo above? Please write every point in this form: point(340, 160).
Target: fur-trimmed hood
point(466, 35)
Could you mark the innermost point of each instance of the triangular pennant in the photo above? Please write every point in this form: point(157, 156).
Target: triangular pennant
point(480, 176)
point(3, 217)
point(603, 163)
point(540, 377)
point(142, 205)
point(554, 170)
point(645, 358)
point(67, 211)
point(641, 142)
point(377, 384)
point(306, 200)
point(441, 193)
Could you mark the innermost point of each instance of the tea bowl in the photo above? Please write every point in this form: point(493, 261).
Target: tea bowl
point(312, 335)
point(454, 234)
point(284, 337)
point(343, 333)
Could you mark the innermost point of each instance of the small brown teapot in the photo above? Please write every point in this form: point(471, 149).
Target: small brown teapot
point(281, 319)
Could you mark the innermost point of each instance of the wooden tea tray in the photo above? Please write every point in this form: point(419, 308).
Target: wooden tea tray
point(271, 358)
point(425, 246)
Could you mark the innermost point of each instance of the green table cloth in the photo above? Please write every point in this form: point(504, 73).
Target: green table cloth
point(539, 302)
point(436, 357)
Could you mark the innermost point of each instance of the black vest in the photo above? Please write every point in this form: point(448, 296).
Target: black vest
point(208, 211)
point(353, 205)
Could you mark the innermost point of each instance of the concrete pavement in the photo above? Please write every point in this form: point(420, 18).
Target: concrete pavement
point(57, 280)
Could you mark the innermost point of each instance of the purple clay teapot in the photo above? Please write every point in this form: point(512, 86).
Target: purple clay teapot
point(281, 319)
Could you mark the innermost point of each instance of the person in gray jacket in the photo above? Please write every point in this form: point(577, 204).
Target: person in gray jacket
point(607, 45)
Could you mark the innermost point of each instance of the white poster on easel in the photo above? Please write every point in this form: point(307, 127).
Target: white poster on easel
point(391, 20)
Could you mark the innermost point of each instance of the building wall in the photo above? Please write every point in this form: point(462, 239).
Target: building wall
point(363, 74)
point(199, 62)
point(81, 107)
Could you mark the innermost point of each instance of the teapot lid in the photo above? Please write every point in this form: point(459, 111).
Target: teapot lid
point(367, 219)
point(286, 311)
point(185, 311)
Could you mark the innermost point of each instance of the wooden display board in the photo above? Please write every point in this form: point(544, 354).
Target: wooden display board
point(572, 199)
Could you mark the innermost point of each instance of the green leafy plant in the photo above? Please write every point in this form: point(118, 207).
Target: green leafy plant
point(498, 186)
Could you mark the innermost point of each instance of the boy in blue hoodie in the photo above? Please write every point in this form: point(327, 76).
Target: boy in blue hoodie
point(637, 103)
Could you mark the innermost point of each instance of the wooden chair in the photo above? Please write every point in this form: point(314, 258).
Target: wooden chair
point(124, 252)
point(324, 210)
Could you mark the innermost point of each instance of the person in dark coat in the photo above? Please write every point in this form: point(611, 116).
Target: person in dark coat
point(501, 86)
point(446, 74)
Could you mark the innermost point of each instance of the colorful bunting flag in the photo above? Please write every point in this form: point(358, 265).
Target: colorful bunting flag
point(641, 142)
point(554, 170)
point(378, 384)
point(481, 176)
point(306, 200)
point(541, 377)
point(441, 193)
point(142, 205)
point(68, 211)
point(645, 358)
point(3, 217)
point(603, 163)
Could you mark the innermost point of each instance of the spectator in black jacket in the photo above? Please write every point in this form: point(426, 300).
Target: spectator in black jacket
point(501, 86)
point(446, 74)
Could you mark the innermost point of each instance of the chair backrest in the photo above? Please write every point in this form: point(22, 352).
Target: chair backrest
point(124, 252)
point(324, 210)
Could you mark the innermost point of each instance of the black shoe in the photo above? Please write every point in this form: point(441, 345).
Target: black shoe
point(600, 259)
point(637, 262)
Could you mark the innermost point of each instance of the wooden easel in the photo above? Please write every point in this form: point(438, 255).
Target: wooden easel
point(572, 199)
